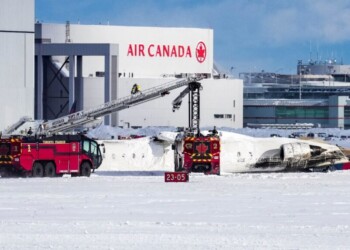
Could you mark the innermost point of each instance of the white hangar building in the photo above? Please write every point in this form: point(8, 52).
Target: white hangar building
point(16, 60)
point(149, 56)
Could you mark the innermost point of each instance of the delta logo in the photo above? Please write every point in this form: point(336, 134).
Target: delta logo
point(170, 51)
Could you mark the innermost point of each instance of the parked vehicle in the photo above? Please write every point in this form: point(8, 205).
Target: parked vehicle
point(51, 156)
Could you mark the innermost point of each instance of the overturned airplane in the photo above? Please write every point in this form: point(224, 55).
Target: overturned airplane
point(241, 153)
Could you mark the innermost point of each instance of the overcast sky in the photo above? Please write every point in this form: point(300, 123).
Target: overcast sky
point(249, 35)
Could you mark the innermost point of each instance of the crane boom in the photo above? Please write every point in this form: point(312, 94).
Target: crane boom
point(70, 121)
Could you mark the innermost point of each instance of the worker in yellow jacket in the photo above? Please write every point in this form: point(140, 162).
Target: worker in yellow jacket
point(136, 88)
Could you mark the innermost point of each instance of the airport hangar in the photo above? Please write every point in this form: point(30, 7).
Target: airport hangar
point(38, 85)
point(149, 56)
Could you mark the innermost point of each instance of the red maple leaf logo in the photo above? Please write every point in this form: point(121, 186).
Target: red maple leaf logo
point(201, 52)
point(202, 148)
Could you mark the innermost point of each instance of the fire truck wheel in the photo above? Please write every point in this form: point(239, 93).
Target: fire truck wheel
point(38, 170)
point(50, 169)
point(85, 169)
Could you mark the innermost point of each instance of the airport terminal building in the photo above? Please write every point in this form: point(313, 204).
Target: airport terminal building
point(318, 94)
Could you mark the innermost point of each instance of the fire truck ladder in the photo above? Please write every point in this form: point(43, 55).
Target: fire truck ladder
point(16, 125)
point(192, 89)
point(82, 117)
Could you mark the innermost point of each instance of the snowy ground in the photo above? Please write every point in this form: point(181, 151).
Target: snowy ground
point(138, 210)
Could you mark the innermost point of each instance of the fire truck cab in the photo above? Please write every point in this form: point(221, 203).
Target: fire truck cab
point(50, 156)
point(197, 153)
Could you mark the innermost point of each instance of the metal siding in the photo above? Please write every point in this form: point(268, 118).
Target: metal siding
point(17, 15)
point(17, 77)
point(29, 97)
point(17, 60)
point(12, 60)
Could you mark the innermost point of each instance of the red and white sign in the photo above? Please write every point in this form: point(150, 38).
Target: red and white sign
point(175, 177)
point(169, 51)
point(153, 50)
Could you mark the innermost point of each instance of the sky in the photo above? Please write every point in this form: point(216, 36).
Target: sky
point(249, 36)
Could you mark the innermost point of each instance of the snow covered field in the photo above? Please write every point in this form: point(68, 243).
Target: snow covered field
point(119, 209)
point(137, 210)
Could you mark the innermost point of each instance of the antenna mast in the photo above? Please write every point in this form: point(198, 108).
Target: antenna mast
point(68, 32)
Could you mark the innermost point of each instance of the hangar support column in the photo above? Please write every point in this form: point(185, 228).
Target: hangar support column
point(76, 90)
point(39, 88)
point(110, 86)
point(114, 76)
point(79, 84)
point(71, 81)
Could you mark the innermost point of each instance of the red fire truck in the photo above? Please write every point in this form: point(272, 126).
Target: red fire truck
point(193, 151)
point(50, 156)
point(197, 153)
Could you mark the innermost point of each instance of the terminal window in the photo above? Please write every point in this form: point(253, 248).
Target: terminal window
point(302, 112)
point(347, 112)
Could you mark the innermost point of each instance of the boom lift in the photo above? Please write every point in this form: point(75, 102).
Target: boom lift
point(194, 152)
point(82, 117)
